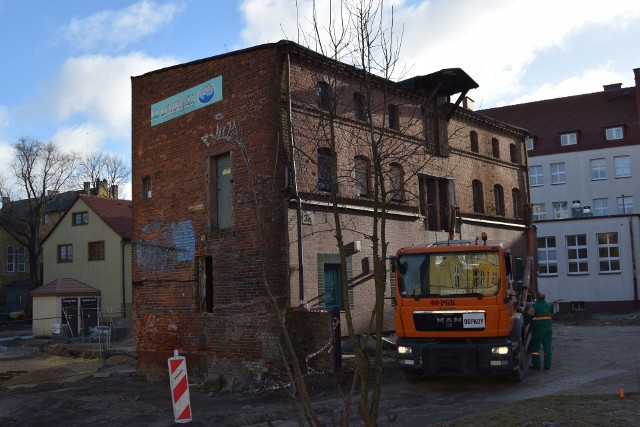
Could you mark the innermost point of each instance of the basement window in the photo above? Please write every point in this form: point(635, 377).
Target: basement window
point(577, 306)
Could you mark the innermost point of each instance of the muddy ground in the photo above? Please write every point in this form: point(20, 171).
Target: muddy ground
point(591, 356)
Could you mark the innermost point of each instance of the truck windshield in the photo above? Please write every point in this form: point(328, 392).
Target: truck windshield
point(451, 274)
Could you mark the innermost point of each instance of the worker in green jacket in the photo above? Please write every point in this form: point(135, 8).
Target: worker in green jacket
point(539, 315)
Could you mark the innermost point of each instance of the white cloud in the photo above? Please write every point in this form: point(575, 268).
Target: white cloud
point(83, 138)
point(494, 42)
point(4, 116)
point(117, 29)
point(97, 88)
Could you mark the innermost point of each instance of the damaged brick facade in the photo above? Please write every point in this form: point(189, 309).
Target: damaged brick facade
point(214, 196)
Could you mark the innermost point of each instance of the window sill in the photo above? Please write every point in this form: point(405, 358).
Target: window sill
point(582, 273)
point(610, 272)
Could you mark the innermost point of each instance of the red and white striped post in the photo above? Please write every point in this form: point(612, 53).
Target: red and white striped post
point(179, 388)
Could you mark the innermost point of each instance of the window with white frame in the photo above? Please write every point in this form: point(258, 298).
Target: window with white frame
point(568, 139)
point(625, 204)
point(529, 143)
point(11, 259)
point(608, 252)
point(547, 256)
point(560, 210)
point(614, 133)
point(622, 166)
point(536, 176)
point(598, 169)
point(558, 173)
point(600, 207)
point(577, 260)
point(21, 259)
point(538, 211)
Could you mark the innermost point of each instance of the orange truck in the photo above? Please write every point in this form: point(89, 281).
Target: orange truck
point(460, 307)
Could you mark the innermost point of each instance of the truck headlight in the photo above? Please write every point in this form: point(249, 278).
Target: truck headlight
point(500, 350)
point(404, 350)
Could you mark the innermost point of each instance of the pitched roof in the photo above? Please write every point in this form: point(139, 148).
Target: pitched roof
point(587, 114)
point(116, 213)
point(65, 286)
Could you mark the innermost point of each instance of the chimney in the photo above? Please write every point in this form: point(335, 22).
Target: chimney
point(86, 187)
point(636, 73)
point(114, 191)
point(612, 87)
point(468, 103)
point(5, 201)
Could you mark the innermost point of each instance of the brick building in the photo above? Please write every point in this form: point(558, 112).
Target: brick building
point(233, 159)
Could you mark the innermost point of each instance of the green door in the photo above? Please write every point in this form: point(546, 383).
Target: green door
point(332, 294)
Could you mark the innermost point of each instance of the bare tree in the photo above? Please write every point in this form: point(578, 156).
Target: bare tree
point(362, 34)
point(40, 171)
point(101, 168)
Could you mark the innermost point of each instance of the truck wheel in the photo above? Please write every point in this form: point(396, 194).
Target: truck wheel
point(517, 375)
point(413, 376)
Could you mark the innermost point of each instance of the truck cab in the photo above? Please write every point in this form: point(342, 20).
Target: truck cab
point(459, 309)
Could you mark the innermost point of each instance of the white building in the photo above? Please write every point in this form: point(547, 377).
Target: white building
point(583, 157)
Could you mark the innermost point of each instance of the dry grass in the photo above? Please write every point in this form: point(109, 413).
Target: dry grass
point(552, 411)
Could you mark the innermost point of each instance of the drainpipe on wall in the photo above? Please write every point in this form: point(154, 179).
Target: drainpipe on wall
point(633, 265)
point(124, 288)
point(296, 196)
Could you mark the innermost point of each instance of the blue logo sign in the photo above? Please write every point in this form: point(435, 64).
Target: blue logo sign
point(206, 93)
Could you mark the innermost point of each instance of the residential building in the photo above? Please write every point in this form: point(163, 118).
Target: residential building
point(233, 179)
point(91, 244)
point(15, 282)
point(584, 152)
point(15, 272)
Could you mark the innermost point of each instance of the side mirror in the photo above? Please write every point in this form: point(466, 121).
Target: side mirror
point(518, 267)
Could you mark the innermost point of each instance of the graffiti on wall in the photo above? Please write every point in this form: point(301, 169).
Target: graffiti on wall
point(222, 132)
point(164, 246)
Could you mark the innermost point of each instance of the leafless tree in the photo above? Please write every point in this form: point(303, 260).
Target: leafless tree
point(101, 167)
point(362, 34)
point(40, 171)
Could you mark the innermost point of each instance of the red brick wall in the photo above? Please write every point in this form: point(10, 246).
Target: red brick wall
point(171, 230)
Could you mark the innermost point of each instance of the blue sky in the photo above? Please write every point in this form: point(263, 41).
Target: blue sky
point(66, 65)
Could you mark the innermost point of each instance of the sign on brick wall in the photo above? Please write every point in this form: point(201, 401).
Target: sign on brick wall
point(191, 99)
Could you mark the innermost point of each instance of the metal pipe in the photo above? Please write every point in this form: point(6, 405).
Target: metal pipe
point(294, 180)
point(636, 305)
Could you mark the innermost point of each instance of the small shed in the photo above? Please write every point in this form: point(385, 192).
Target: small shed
point(65, 304)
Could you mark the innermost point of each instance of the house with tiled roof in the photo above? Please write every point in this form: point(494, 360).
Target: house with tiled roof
point(583, 156)
point(92, 244)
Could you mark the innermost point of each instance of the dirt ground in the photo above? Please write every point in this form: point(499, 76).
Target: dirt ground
point(62, 387)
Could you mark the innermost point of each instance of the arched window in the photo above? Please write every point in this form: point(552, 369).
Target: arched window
point(325, 169)
point(362, 173)
point(495, 148)
point(21, 259)
point(513, 154)
point(498, 196)
point(11, 259)
point(396, 181)
point(478, 196)
point(515, 196)
point(473, 136)
point(323, 93)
